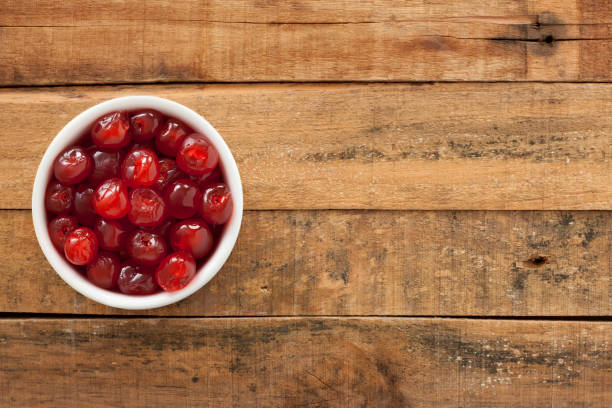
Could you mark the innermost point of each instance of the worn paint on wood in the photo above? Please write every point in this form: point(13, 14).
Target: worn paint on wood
point(305, 362)
point(63, 43)
point(379, 146)
point(367, 263)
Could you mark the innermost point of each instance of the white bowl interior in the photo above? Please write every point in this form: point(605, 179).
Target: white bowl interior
point(69, 135)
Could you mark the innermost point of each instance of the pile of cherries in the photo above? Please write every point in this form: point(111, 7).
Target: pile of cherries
point(138, 203)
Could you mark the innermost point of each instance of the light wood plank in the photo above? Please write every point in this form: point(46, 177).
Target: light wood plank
point(380, 146)
point(40, 12)
point(367, 263)
point(305, 362)
point(22, 13)
point(64, 43)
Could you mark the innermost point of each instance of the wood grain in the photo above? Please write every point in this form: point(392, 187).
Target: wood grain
point(64, 43)
point(367, 263)
point(304, 362)
point(379, 146)
point(22, 13)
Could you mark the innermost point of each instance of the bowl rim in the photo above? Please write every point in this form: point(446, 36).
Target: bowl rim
point(69, 135)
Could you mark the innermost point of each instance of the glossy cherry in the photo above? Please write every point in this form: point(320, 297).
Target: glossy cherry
point(170, 137)
point(147, 207)
point(112, 233)
point(197, 156)
point(103, 271)
point(208, 178)
point(145, 124)
point(140, 168)
point(73, 165)
point(105, 165)
point(168, 172)
point(216, 204)
point(83, 205)
point(110, 200)
point(59, 199)
point(146, 248)
point(149, 145)
point(163, 229)
point(193, 235)
point(81, 246)
point(136, 279)
point(141, 186)
point(175, 271)
point(111, 131)
point(182, 198)
point(59, 228)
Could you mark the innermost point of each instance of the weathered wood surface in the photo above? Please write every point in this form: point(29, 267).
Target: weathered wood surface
point(552, 12)
point(379, 146)
point(80, 42)
point(304, 362)
point(367, 263)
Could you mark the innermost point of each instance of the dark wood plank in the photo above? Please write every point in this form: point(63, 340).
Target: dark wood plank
point(367, 263)
point(63, 43)
point(300, 362)
point(380, 146)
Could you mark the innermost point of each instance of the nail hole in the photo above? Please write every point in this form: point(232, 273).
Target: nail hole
point(548, 39)
point(537, 261)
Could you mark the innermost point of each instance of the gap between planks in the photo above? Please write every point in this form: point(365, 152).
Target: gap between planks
point(66, 316)
point(265, 84)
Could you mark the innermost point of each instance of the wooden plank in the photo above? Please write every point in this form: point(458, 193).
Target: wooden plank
point(379, 146)
point(63, 43)
point(41, 12)
point(367, 263)
point(30, 13)
point(305, 362)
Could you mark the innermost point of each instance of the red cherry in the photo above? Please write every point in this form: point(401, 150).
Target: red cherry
point(73, 165)
point(140, 168)
point(163, 229)
point(182, 198)
point(197, 156)
point(103, 271)
point(136, 279)
point(145, 124)
point(147, 208)
point(168, 172)
point(111, 233)
point(208, 178)
point(193, 235)
point(216, 204)
point(59, 228)
point(81, 246)
point(110, 199)
point(175, 271)
point(111, 131)
point(145, 247)
point(149, 145)
point(170, 137)
point(83, 205)
point(106, 165)
point(59, 199)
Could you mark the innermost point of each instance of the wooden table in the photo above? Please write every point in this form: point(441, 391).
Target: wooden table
point(427, 184)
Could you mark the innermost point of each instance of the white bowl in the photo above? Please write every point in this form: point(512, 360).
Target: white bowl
point(69, 135)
